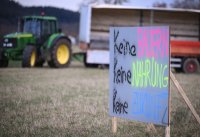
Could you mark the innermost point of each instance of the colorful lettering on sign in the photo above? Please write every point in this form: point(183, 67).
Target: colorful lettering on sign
point(150, 105)
point(152, 43)
point(149, 73)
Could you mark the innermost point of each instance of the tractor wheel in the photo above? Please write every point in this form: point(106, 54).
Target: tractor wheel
point(39, 60)
point(191, 65)
point(29, 56)
point(4, 63)
point(3, 60)
point(88, 65)
point(39, 63)
point(60, 54)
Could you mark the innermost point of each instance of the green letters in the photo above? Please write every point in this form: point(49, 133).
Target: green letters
point(149, 73)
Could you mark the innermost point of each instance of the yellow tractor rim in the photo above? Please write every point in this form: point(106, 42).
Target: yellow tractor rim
point(33, 58)
point(62, 54)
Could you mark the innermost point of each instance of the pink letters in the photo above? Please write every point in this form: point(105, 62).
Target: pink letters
point(152, 42)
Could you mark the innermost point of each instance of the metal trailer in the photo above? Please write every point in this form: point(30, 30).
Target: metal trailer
point(95, 21)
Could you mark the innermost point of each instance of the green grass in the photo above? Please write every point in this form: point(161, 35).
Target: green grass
point(74, 102)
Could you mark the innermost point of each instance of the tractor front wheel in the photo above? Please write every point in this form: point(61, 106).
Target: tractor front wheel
point(29, 56)
point(3, 63)
point(60, 54)
point(3, 60)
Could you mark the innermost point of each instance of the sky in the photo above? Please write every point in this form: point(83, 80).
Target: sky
point(75, 4)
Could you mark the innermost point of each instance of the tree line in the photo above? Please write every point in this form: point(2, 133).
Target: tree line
point(11, 11)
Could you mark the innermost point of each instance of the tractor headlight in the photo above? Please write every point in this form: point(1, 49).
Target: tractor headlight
point(9, 43)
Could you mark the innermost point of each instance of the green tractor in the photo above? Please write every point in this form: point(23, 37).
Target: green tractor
point(39, 40)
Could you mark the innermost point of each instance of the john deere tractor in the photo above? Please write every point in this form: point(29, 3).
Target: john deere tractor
point(39, 40)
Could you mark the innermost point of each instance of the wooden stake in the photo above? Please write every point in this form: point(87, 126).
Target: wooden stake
point(167, 131)
point(114, 124)
point(167, 128)
point(187, 101)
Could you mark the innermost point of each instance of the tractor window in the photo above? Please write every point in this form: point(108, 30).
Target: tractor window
point(46, 28)
point(32, 26)
point(53, 27)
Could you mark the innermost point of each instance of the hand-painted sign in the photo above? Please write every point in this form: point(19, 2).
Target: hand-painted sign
point(139, 73)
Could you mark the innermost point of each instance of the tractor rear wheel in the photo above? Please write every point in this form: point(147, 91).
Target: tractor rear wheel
point(29, 56)
point(190, 65)
point(3, 60)
point(60, 54)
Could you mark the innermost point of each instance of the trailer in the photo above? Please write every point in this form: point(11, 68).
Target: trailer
point(95, 21)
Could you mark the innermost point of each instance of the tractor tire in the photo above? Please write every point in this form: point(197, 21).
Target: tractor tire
point(4, 63)
point(190, 65)
point(39, 63)
point(60, 54)
point(3, 60)
point(88, 65)
point(39, 60)
point(29, 57)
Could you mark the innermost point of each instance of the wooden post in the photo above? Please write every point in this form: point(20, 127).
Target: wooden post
point(187, 101)
point(167, 131)
point(114, 124)
point(167, 128)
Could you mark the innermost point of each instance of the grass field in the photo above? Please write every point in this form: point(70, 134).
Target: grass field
point(74, 102)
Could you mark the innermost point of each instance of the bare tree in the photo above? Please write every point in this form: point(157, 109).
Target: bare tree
point(186, 4)
point(160, 4)
point(115, 2)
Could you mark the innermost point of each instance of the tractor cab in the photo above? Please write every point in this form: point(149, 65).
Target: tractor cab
point(41, 27)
